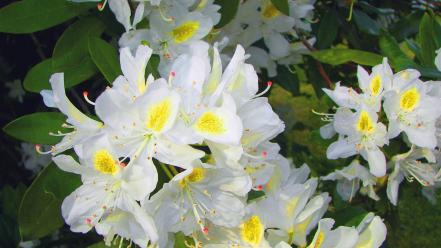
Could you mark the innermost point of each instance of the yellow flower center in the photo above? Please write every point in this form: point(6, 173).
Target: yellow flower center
point(185, 31)
point(197, 175)
point(409, 99)
point(365, 123)
point(252, 230)
point(158, 115)
point(104, 162)
point(376, 85)
point(270, 11)
point(320, 239)
point(210, 123)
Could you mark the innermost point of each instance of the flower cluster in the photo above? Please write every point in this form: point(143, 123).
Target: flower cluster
point(409, 106)
point(209, 130)
point(173, 25)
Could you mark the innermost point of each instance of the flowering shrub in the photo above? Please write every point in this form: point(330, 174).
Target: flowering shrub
point(201, 122)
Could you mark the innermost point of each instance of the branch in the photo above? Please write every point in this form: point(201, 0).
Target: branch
point(318, 64)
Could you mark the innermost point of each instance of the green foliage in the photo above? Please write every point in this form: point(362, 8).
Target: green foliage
point(228, 11)
point(328, 29)
point(29, 16)
point(365, 23)
point(35, 128)
point(105, 58)
point(428, 40)
point(337, 56)
point(40, 209)
point(10, 199)
point(282, 6)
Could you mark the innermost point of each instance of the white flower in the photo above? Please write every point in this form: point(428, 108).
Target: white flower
point(372, 232)
point(200, 194)
point(107, 198)
point(411, 109)
point(342, 237)
point(359, 133)
point(84, 128)
point(348, 181)
point(408, 165)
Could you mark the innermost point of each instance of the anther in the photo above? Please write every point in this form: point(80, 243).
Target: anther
point(205, 230)
point(102, 5)
point(268, 86)
point(122, 164)
point(259, 187)
point(264, 154)
point(85, 95)
point(38, 149)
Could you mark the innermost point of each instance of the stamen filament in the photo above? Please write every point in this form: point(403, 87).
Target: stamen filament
point(85, 95)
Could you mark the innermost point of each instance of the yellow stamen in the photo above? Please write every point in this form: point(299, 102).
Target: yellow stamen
point(210, 123)
point(197, 175)
point(104, 162)
point(270, 11)
point(252, 230)
point(365, 123)
point(409, 99)
point(158, 115)
point(185, 31)
point(376, 85)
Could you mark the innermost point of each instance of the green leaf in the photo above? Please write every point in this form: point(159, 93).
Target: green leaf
point(282, 6)
point(390, 49)
point(35, 128)
point(152, 66)
point(37, 78)
point(29, 16)
point(407, 26)
point(73, 45)
point(366, 24)
point(287, 79)
point(337, 56)
point(105, 57)
point(228, 11)
point(11, 198)
point(40, 209)
point(328, 29)
point(427, 41)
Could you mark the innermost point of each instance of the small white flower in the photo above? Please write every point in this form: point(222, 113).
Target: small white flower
point(359, 133)
point(349, 178)
point(16, 90)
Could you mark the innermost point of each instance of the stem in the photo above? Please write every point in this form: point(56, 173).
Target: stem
point(351, 8)
point(173, 169)
point(318, 64)
point(166, 170)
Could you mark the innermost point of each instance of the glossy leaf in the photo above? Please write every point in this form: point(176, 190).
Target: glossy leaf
point(337, 56)
point(37, 78)
point(328, 29)
point(228, 11)
point(35, 128)
point(29, 16)
point(105, 58)
point(365, 23)
point(40, 209)
point(282, 6)
point(427, 41)
point(390, 49)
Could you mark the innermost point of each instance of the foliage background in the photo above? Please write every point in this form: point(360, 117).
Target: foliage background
point(29, 208)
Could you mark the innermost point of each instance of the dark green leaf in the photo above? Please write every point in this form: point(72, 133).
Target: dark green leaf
point(406, 26)
point(328, 29)
point(314, 77)
point(427, 41)
point(254, 195)
point(40, 209)
point(282, 6)
point(152, 66)
point(337, 56)
point(287, 79)
point(29, 16)
point(228, 11)
point(365, 23)
point(37, 78)
point(35, 128)
point(73, 45)
point(105, 57)
point(349, 216)
point(11, 199)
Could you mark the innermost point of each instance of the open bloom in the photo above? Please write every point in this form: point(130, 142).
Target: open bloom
point(84, 127)
point(359, 133)
point(411, 109)
point(107, 198)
